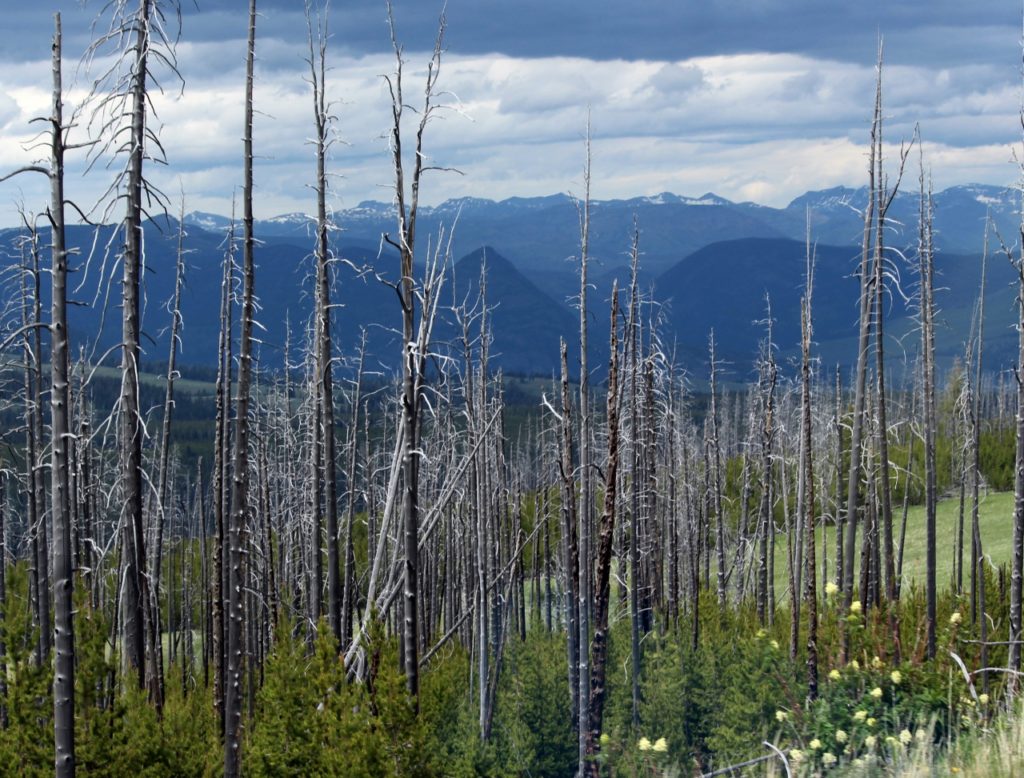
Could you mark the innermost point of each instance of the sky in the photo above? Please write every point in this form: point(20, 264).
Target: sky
point(757, 100)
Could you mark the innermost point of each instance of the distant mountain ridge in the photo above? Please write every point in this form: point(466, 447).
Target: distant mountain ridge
point(706, 263)
point(536, 233)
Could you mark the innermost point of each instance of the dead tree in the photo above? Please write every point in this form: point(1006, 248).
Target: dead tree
point(60, 421)
point(324, 347)
point(716, 484)
point(156, 682)
point(602, 580)
point(586, 502)
point(570, 543)
point(240, 477)
point(811, 587)
point(140, 40)
point(219, 487)
point(413, 356)
point(865, 276)
point(927, 313)
point(1017, 573)
point(977, 557)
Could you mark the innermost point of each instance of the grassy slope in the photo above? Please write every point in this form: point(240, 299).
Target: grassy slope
point(995, 517)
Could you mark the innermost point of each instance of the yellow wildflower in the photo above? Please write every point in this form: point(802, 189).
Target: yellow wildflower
point(828, 759)
point(814, 745)
point(796, 755)
point(955, 618)
point(831, 590)
point(860, 715)
point(906, 737)
point(841, 736)
point(872, 721)
point(660, 745)
point(781, 715)
point(644, 744)
point(877, 692)
point(870, 741)
point(835, 675)
point(856, 607)
point(896, 677)
point(604, 739)
point(876, 662)
point(854, 665)
point(983, 699)
point(775, 645)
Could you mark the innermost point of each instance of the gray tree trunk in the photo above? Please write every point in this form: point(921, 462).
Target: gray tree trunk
point(324, 348)
point(60, 486)
point(602, 588)
point(240, 476)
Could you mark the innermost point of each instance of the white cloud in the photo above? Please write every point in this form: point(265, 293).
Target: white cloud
point(757, 126)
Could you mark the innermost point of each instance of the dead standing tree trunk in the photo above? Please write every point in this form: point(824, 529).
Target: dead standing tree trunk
point(1017, 573)
point(240, 475)
point(811, 589)
point(132, 426)
point(406, 209)
point(586, 501)
point(977, 559)
point(163, 497)
point(602, 580)
point(60, 447)
point(860, 379)
point(324, 348)
point(60, 421)
point(927, 313)
point(569, 540)
point(716, 483)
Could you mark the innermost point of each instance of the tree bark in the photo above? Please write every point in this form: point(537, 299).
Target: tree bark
point(60, 421)
point(240, 476)
point(602, 581)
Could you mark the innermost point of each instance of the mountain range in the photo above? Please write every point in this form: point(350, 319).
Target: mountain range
point(706, 264)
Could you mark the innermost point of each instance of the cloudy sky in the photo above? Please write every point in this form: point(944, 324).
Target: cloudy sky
point(751, 99)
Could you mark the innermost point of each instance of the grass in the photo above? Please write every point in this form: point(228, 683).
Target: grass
point(995, 517)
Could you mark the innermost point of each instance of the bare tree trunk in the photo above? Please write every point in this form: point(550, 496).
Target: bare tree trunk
point(324, 348)
point(602, 589)
point(1018, 481)
point(767, 380)
point(838, 421)
point(585, 514)
point(811, 590)
point(925, 259)
point(572, 557)
point(35, 495)
point(634, 509)
point(156, 681)
point(716, 462)
point(406, 212)
point(60, 411)
point(240, 479)
point(220, 489)
point(348, 590)
point(136, 586)
point(860, 378)
point(977, 557)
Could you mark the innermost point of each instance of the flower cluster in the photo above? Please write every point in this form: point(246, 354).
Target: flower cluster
point(659, 746)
